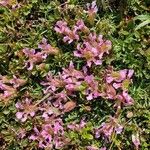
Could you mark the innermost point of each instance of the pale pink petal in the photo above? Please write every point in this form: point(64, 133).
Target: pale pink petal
point(19, 115)
point(130, 73)
point(116, 85)
point(32, 114)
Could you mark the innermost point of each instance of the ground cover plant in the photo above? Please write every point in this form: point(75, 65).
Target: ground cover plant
point(74, 74)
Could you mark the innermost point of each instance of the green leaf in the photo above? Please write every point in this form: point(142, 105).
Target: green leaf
point(87, 136)
point(142, 24)
point(6, 112)
point(142, 17)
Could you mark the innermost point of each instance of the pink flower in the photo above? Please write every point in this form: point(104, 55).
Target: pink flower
point(61, 27)
point(80, 26)
point(118, 76)
point(33, 57)
point(110, 92)
point(93, 49)
point(72, 78)
point(92, 8)
point(47, 48)
point(50, 135)
point(92, 89)
point(136, 140)
point(4, 2)
point(26, 108)
point(107, 129)
point(17, 82)
point(77, 127)
point(7, 92)
point(21, 133)
point(47, 110)
point(52, 82)
point(69, 35)
point(125, 98)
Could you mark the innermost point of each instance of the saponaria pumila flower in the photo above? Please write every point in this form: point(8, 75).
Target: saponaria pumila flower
point(93, 49)
point(69, 35)
point(91, 11)
point(77, 127)
point(108, 128)
point(118, 81)
point(8, 87)
point(35, 57)
point(136, 140)
point(62, 87)
point(25, 109)
point(50, 135)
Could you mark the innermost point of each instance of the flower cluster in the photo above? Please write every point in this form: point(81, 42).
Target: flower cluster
point(77, 127)
point(50, 135)
point(35, 57)
point(117, 83)
point(8, 87)
point(136, 140)
point(71, 81)
point(61, 91)
point(93, 47)
point(110, 127)
point(26, 108)
point(70, 35)
point(91, 11)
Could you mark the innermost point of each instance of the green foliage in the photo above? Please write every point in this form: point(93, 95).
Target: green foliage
point(127, 27)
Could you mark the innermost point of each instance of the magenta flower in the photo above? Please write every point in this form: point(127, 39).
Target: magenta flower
point(60, 99)
point(21, 133)
point(61, 27)
point(26, 109)
point(17, 82)
point(33, 57)
point(72, 78)
point(92, 8)
point(47, 48)
point(118, 80)
point(77, 127)
point(93, 49)
point(110, 92)
point(7, 92)
point(50, 135)
point(118, 76)
point(47, 110)
point(52, 82)
point(108, 128)
point(92, 90)
point(136, 140)
point(4, 2)
point(43, 137)
point(69, 35)
point(125, 98)
point(80, 26)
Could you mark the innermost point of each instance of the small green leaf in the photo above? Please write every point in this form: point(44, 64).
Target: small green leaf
point(142, 24)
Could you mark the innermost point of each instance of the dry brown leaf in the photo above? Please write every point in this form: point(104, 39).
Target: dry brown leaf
point(69, 106)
